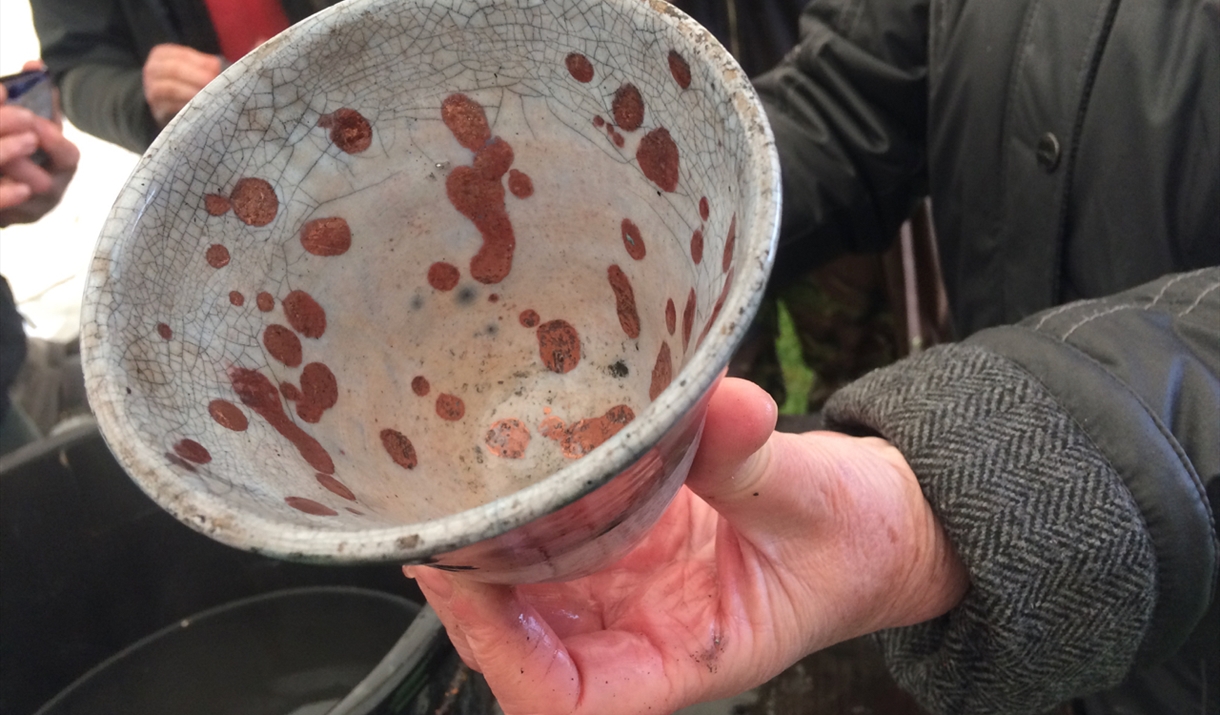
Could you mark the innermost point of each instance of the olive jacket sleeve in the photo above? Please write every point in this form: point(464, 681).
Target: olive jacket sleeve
point(1070, 459)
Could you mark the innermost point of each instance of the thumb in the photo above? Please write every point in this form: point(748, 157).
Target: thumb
point(730, 469)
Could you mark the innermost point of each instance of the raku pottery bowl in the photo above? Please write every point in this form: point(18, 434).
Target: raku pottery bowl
point(437, 282)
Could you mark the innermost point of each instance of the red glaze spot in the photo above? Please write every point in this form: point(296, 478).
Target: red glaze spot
point(624, 301)
point(228, 415)
point(579, 67)
point(215, 204)
point(520, 184)
point(482, 201)
point(493, 298)
point(254, 201)
point(265, 301)
point(696, 246)
point(688, 319)
point(493, 160)
point(326, 236)
point(309, 506)
point(724, 293)
point(335, 486)
point(587, 434)
point(671, 316)
point(420, 385)
point(599, 122)
point(466, 119)
point(679, 69)
point(618, 140)
point(319, 392)
point(180, 462)
point(399, 448)
point(628, 107)
point(476, 192)
point(704, 209)
point(304, 314)
point(450, 407)
point(529, 318)
point(290, 391)
point(662, 372)
point(217, 256)
point(283, 344)
point(349, 130)
point(632, 239)
point(559, 346)
point(729, 243)
point(357, 512)
point(658, 157)
point(165, 331)
point(236, 298)
point(192, 451)
point(508, 438)
point(257, 393)
point(443, 276)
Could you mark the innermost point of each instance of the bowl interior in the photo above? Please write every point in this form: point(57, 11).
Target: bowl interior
point(408, 259)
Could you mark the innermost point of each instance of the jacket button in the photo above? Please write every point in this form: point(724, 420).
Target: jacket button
point(1048, 152)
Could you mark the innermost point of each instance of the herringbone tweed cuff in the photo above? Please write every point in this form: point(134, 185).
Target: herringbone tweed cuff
point(1062, 569)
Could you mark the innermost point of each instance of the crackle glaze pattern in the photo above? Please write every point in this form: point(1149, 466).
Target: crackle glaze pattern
point(414, 281)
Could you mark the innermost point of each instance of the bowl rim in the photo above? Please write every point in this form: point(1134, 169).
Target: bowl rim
point(252, 531)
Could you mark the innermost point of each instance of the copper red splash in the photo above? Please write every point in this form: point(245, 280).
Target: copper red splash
point(254, 201)
point(624, 301)
point(282, 344)
point(587, 434)
point(420, 386)
point(529, 318)
point(729, 243)
point(335, 486)
point(628, 107)
point(304, 314)
point(329, 236)
point(217, 256)
point(236, 298)
point(662, 372)
point(192, 451)
point(579, 67)
point(319, 392)
point(443, 276)
point(466, 120)
point(257, 393)
point(688, 319)
point(520, 184)
point(671, 316)
point(215, 204)
point(349, 130)
point(165, 331)
point(658, 158)
point(309, 506)
point(399, 448)
point(559, 346)
point(265, 302)
point(704, 209)
point(679, 68)
point(696, 246)
point(291, 392)
point(632, 240)
point(508, 438)
point(228, 415)
point(450, 407)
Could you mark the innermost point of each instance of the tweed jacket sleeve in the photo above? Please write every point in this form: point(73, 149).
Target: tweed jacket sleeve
point(1068, 458)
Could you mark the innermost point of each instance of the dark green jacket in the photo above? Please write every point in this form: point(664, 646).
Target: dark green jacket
point(96, 50)
point(1071, 149)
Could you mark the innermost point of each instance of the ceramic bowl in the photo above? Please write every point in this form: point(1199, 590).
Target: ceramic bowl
point(436, 282)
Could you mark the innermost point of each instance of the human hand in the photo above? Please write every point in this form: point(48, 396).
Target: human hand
point(778, 545)
point(27, 190)
point(172, 75)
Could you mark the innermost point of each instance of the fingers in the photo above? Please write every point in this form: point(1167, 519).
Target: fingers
point(63, 153)
point(13, 193)
point(524, 662)
point(173, 74)
point(18, 137)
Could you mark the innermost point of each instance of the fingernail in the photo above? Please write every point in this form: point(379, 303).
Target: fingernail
point(438, 583)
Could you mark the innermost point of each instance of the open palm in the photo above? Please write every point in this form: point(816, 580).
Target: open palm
point(778, 545)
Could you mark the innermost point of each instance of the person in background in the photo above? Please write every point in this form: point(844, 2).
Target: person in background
point(126, 67)
point(28, 190)
point(1025, 517)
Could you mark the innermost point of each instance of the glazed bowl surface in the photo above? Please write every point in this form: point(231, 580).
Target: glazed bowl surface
point(436, 282)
